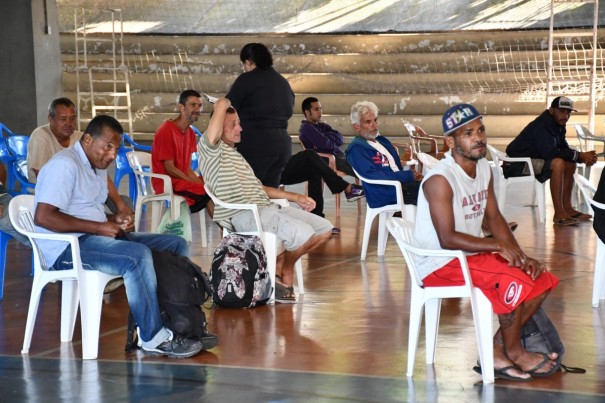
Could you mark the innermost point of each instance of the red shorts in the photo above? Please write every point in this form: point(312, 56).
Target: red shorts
point(189, 190)
point(506, 287)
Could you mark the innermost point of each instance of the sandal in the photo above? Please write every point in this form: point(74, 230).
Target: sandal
point(283, 293)
point(565, 221)
point(582, 217)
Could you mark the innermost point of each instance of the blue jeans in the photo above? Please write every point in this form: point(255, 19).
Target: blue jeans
point(130, 258)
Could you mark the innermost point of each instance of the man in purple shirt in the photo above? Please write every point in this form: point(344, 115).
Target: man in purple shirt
point(321, 137)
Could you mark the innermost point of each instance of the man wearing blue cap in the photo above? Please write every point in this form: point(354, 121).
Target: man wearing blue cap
point(457, 197)
point(543, 140)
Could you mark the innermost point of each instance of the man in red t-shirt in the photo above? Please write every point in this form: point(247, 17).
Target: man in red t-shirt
point(173, 144)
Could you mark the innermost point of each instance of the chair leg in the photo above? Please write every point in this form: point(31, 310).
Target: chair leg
point(132, 187)
point(370, 214)
point(432, 310)
point(299, 277)
point(69, 308)
point(337, 199)
point(416, 310)
point(156, 215)
point(91, 306)
point(270, 243)
point(138, 210)
point(203, 229)
point(599, 274)
point(483, 318)
point(32, 312)
point(358, 200)
point(383, 232)
point(540, 200)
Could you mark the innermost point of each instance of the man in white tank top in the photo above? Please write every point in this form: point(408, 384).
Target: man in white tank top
point(456, 197)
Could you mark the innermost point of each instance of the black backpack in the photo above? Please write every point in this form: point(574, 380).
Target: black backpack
point(239, 276)
point(182, 288)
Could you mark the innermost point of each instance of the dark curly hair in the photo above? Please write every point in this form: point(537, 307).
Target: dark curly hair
point(258, 53)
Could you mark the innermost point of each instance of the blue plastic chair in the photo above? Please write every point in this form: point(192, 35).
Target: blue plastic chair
point(123, 167)
point(4, 238)
point(17, 145)
point(22, 177)
point(194, 161)
point(17, 148)
point(5, 131)
point(9, 160)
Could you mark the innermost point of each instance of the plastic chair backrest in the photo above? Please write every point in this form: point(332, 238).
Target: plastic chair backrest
point(5, 155)
point(427, 160)
point(17, 145)
point(6, 132)
point(141, 161)
point(21, 216)
point(133, 145)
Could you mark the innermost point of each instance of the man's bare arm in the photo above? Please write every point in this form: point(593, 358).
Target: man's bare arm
point(439, 195)
point(214, 132)
point(303, 201)
point(174, 172)
point(49, 217)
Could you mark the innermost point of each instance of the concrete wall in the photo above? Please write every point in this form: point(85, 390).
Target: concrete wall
point(30, 62)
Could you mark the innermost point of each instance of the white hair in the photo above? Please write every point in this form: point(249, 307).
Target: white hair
point(361, 108)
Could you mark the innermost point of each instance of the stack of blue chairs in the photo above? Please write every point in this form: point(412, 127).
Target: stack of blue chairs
point(123, 167)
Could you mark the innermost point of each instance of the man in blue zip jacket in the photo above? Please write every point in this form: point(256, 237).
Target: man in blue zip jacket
point(374, 157)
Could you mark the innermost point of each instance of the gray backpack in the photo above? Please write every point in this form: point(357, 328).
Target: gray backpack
point(540, 335)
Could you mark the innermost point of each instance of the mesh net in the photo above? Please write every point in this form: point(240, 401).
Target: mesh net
point(485, 47)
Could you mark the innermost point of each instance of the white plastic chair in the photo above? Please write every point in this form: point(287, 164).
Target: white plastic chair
point(428, 162)
point(428, 299)
point(586, 139)
point(598, 288)
point(538, 189)
point(407, 210)
point(90, 282)
point(140, 160)
point(268, 239)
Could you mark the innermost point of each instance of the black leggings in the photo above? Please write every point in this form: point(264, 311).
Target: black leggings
point(307, 166)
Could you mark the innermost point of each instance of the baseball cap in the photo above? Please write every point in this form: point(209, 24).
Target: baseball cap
point(457, 116)
point(562, 103)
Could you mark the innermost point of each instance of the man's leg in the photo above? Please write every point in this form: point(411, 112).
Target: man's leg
point(515, 297)
point(299, 230)
point(510, 332)
point(558, 187)
point(298, 170)
point(568, 182)
point(287, 260)
point(343, 165)
point(132, 261)
point(168, 243)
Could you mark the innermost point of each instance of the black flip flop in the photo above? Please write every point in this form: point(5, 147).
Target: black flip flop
point(500, 373)
point(546, 359)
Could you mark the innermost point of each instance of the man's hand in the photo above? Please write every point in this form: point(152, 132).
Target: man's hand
point(589, 158)
point(418, 176)
point(125, 221)
point(109, 229)
point(532, 267)
point(511, 253)
point(305, 202)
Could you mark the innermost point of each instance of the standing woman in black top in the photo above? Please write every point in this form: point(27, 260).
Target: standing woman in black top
point(264, 102)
